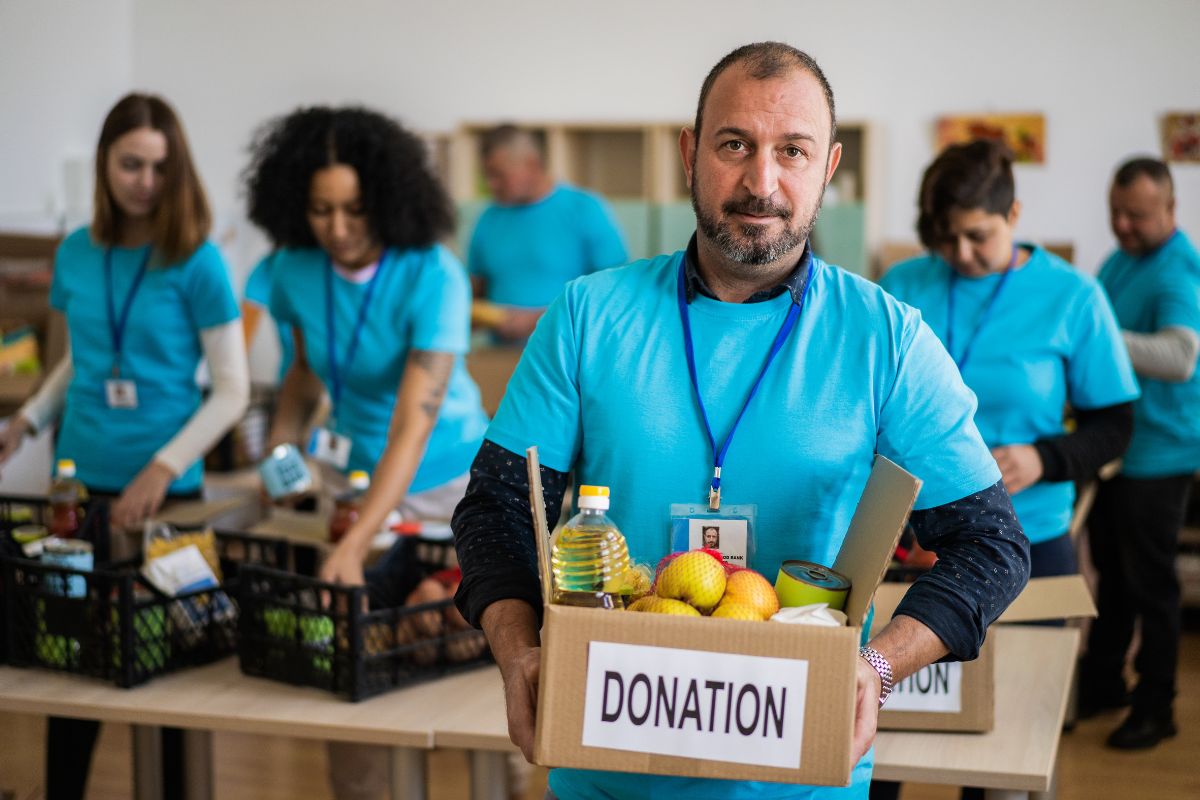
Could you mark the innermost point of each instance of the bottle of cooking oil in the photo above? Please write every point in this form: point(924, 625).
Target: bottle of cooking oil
point(589, 559)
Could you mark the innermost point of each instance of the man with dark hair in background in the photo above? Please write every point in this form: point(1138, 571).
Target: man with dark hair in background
point(1153, 280)
point(537, 235)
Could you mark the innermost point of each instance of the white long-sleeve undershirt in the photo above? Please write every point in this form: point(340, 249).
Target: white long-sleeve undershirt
point(1166, 355)
point(226, 403)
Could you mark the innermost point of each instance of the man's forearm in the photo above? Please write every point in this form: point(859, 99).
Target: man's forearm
point(908, 645)
point(511, 627)
point(1166, 355)
point(983, 563)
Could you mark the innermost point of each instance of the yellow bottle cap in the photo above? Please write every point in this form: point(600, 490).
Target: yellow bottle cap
point(593, 491)
point(66, 467)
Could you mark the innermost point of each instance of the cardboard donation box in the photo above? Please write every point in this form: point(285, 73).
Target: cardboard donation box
point(707, 697)
point(960, 696)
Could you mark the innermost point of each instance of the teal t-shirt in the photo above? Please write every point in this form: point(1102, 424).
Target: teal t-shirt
point(1151, 292)
point(1049, 339)
point(603, 388)
point(160, 353)
point(421, 301)
point(527, 253)
point(258, 291)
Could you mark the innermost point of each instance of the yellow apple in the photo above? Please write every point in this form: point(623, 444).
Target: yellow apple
point(747, 588)
point(737, 611)
point(695, 577)
point(663, 605)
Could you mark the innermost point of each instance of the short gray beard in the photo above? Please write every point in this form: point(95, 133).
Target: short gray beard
point(754, 248)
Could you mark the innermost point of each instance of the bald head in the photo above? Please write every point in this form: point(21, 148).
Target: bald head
point(763, 61)
point(1142, 205)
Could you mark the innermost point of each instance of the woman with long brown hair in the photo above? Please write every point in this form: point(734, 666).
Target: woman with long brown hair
point(145, 296)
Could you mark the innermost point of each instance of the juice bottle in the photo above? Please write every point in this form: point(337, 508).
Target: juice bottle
point(589, 559)
point(346, 506)
point(66, 498)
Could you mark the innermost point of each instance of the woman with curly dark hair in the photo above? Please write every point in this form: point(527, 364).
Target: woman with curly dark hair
point(380, 314)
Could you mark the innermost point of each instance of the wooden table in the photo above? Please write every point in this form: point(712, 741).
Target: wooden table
point(1033, 671)
point(218, 697)
point(1017, 758)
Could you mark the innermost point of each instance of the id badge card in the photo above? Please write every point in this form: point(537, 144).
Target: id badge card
point(120, 393)
point(730, 530)
point(330, 447)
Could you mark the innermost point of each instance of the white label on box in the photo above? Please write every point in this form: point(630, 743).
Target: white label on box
point(695, 704)
point(937, 687)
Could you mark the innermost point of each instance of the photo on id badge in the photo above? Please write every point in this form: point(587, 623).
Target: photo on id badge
point(731, 531)
point(121, 393)
point(726, 535)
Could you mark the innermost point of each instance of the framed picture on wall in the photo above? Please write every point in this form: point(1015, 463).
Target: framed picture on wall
point(1025, 134)
point(1181, 137)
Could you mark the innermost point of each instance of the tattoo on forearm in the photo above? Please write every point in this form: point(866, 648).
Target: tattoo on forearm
point(438, 366)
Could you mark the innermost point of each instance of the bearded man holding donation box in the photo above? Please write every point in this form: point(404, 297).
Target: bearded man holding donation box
point(748, 353)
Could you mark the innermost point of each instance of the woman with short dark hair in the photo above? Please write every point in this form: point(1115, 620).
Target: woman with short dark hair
point(1030, 335)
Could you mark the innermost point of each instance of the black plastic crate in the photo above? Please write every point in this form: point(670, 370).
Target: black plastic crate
point(109, 622)
point(303, 631)
point(15, 511)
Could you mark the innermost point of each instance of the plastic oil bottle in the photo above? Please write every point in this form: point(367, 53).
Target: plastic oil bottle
point(348, 506)
point(589, 559)
point(67, 495)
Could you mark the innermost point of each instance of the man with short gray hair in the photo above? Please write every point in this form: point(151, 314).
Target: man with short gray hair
point(538, 235)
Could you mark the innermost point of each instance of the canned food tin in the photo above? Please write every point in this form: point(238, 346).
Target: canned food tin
point(802, 583)
point(74, 554)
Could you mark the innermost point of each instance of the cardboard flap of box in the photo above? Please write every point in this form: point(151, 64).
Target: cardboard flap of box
point(196, 513)
point(297, 526)
point(541, 529)
point(1059, 597)
point(876, 527)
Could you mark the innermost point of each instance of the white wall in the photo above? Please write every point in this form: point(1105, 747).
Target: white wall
point(1101, 72)
point(62, 65)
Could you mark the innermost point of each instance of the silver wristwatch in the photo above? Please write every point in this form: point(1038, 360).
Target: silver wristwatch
point(881, 665)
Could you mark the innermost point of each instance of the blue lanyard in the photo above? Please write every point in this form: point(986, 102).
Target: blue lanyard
point(714, 493)
point(335, 372)
point(961, 360)
point(116, 325)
